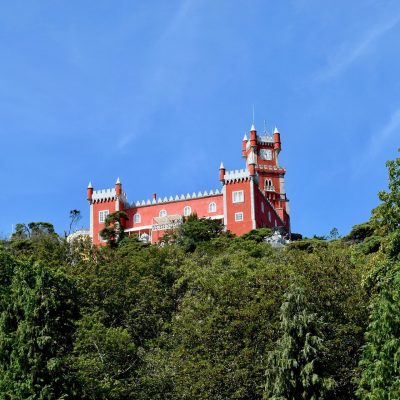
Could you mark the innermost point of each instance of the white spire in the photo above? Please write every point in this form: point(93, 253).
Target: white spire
point(245, 137)
point(118, 181)
point(276, 130)
point(253, 127)
point(221, 166)
point(90, 185)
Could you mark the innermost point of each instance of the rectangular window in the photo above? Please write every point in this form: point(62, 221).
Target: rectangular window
point(238, 196)
point(238, 216)
point(103, 215)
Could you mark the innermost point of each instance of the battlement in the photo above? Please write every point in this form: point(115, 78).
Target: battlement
point(106, 195)
point(265, 139)
point(181, 197)
point(237, 175)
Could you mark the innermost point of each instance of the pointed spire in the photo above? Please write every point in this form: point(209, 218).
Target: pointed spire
point(253, 127)
point(276, 130)
point(244, 137)
point(118, 182)
point(221, 166)
point(90, 185)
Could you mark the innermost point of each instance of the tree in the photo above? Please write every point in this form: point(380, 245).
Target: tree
point(74, 217)
point(105, 358)
point(194, 231)
point(387, 215)
point(380, 363)
point(36, 328)
point(113, 230)
point(293, 369)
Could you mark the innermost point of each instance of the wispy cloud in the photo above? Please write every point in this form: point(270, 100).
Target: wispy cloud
point(384, 135)
point(349, 53)
point(377, 143)
point(161, 83)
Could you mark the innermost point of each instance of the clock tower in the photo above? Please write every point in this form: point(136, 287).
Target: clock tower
point(270, 176)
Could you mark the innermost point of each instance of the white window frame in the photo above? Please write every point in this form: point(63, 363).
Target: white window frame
point(162, 213)
point(212, 207)
point(187, 210)
point(238, 196)
point(239, 216)
point(137, 218)
point(103, 215)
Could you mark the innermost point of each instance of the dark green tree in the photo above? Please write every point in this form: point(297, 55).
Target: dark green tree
point(36, 328)
point(380, 363)
point(294, 368)
point(195, 231)
point(113, 231)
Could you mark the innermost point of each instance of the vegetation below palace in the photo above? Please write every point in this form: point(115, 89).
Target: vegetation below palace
point(206, 316)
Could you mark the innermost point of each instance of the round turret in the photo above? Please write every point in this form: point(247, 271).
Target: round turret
point(222, 173)
point(118, 188)
point(277, 140)
point(89, 192)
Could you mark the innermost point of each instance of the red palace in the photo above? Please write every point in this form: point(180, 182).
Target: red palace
point(249, 198)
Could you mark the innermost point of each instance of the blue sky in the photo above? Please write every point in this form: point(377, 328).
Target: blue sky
point(160, 92)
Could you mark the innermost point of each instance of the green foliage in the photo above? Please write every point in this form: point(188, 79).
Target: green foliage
point(380, 364)
point(386, 216)
point(194, 231)
point(36, 327)
point(113, 231)
point(103, 359)
point(258, 235)
point(294, 369)
point(360, 232)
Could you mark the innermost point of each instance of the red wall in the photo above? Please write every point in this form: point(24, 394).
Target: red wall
point(238, 228)
point(262, 218)
point(97, 226)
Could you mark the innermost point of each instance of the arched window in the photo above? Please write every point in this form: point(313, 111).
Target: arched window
point(212, 207)
point(187, 211)
point(163, 213)
point(137, 219)
point(262, 207)
point(268, 185)
point(269, 216)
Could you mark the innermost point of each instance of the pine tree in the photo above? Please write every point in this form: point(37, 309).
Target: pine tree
point(36, 327)
point(293, 369)
point(380, 379)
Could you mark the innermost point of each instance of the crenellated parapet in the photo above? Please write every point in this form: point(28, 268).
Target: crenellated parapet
point(237, 175)
point(172, 199)
point(104, 195)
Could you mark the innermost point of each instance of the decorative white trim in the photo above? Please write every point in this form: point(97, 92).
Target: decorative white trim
point(225, 206)
point(253, 216)
point(103, 213)
point(239, 194)
point(239, 216)
point(91, 220)
point(182, 197)
point(236, 175)
point(138, 228)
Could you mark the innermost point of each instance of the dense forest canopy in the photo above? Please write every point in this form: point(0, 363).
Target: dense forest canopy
point(207, 315)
